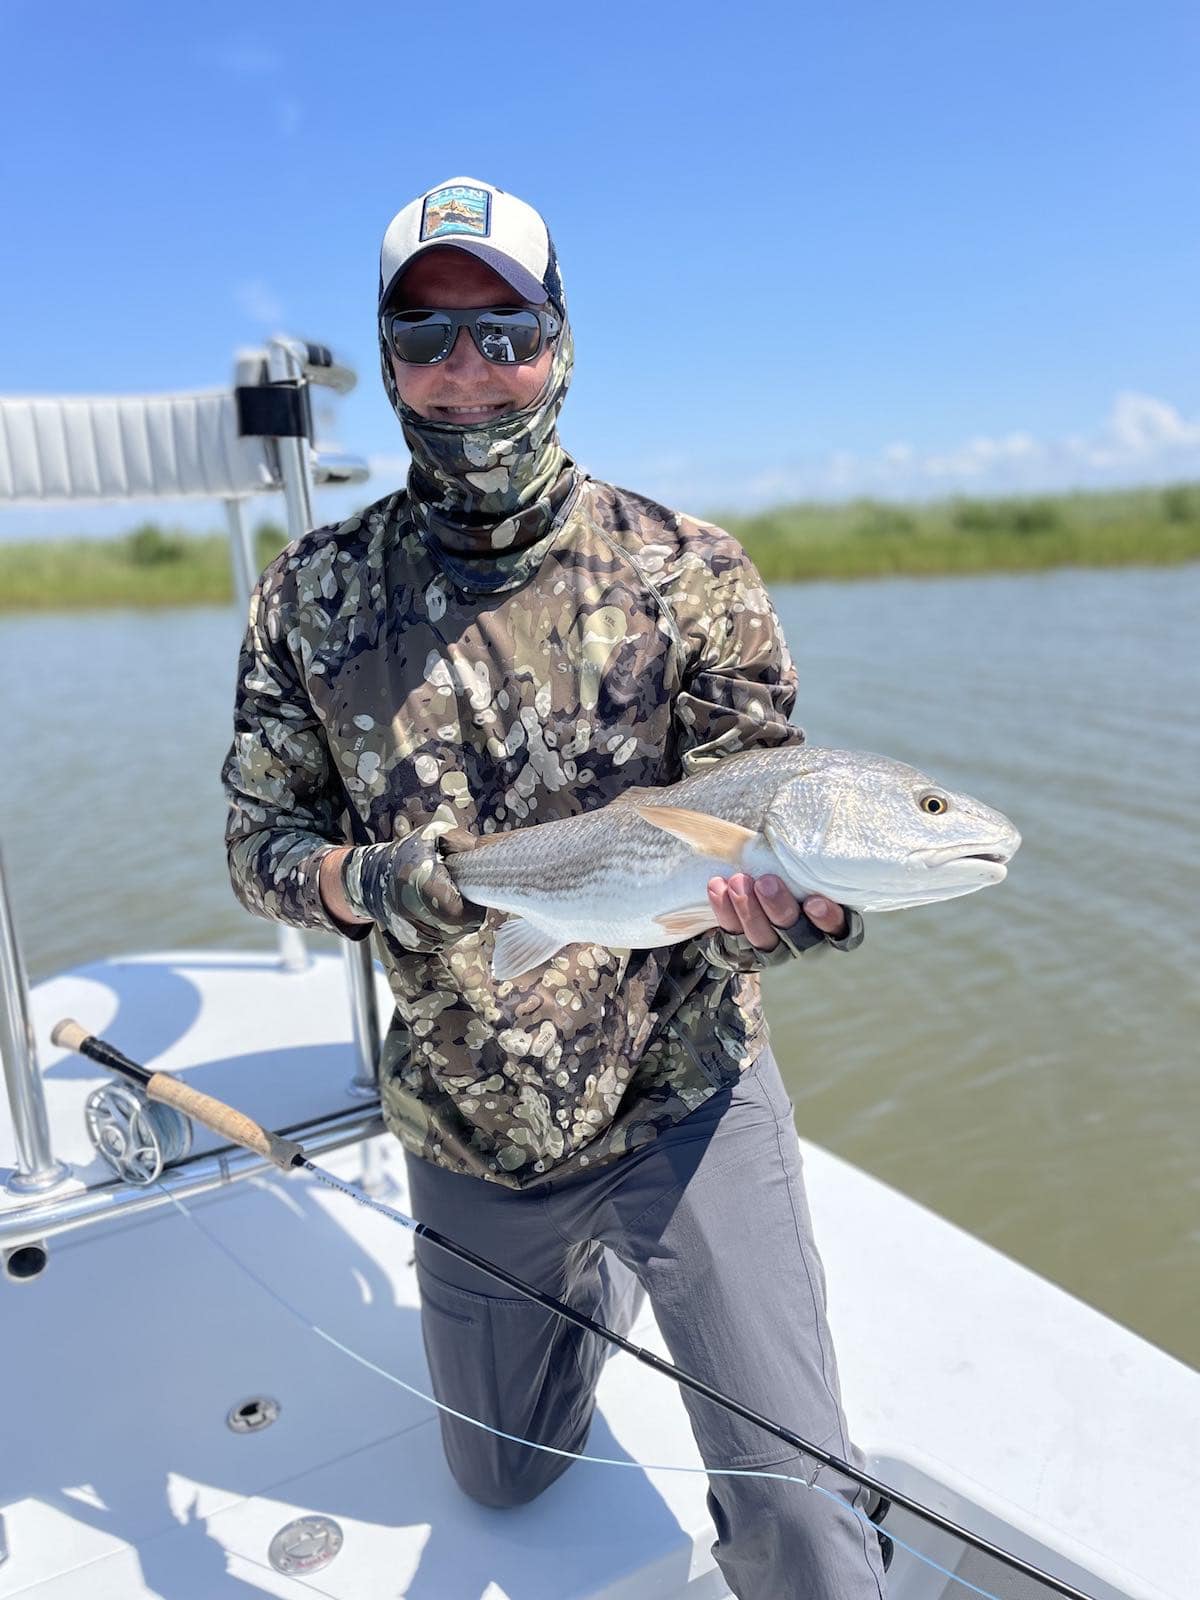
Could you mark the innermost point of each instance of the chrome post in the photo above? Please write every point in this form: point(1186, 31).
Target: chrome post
point(293, 954)
point(374, 1177)
point(285, 364)
point(364, 1016)
point(36, 1167)
point(241, 555)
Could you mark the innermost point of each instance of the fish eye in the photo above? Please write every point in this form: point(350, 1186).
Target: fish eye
point(934, 804)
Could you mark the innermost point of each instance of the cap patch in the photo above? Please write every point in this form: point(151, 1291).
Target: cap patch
point(458, 208)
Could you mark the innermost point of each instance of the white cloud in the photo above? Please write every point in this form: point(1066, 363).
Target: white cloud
point(257, 300)
point(897, 454)
point(979, 455)
point(1142, 426)
point(246, 57)
point(1142, 440)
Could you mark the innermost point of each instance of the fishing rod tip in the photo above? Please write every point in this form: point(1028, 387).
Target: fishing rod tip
point(68, 1034)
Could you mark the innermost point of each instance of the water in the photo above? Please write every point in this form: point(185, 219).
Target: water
point(1023, 1061)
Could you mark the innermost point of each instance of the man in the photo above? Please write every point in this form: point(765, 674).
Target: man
point(505, 642)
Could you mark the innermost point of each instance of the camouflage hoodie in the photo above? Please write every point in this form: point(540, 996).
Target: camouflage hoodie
point(392, 677)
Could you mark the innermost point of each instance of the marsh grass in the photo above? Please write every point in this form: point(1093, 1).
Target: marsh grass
point(153, 565)
point(869, 538)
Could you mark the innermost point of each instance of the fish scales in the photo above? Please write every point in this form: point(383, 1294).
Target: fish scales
point(867, 831)
point(567, 858)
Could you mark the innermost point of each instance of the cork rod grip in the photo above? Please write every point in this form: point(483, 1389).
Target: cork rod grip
point(215, 1114)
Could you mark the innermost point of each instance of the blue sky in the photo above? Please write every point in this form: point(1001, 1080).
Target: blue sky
point(809, 251)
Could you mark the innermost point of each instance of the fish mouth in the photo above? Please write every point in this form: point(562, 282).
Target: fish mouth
point(943, 855)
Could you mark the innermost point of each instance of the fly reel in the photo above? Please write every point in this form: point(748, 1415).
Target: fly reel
point(136, 1136)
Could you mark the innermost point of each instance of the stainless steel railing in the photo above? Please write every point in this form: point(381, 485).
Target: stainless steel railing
point(293, 953)
point(117, 1201)
point(36, 1170)
point(287, 362)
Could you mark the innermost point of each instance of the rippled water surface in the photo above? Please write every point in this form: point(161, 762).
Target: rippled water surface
point(1024, 1060)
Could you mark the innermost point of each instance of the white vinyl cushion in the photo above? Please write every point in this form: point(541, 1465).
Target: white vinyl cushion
point(125, 448)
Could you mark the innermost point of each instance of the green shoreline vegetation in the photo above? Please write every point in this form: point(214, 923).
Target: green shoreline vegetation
point(153, 565)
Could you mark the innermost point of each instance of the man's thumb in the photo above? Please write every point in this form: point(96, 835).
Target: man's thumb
point(457, 840)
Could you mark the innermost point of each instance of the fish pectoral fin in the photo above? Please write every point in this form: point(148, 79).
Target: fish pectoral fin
point(793, 868)
point(707, 835)
point(687, 921)
point(521, 945)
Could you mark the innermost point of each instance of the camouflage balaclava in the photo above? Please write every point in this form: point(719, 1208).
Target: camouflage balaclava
point(484, 490)
point(486, 499)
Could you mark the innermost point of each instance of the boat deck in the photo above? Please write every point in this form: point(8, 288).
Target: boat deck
point(969, 1382)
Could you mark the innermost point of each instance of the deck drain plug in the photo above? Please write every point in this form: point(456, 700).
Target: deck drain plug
point(251, 1416)
point(306, 1545)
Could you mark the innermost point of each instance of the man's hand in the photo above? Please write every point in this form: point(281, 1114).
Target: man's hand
point(404, 887)
point(757, 907)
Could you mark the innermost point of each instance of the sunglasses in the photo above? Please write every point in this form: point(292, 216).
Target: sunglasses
point(503, 334)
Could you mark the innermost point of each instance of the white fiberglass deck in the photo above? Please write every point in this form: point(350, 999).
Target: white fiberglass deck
point(970, 1382)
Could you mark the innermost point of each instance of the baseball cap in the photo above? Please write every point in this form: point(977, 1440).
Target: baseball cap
point(497, 228)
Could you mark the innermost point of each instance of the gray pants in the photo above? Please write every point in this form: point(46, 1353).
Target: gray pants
point(711, 1221)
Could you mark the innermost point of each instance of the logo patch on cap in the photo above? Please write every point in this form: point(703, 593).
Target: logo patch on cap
point(458, 208)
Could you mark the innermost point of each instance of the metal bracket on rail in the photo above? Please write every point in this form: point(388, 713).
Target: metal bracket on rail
point(272, 391)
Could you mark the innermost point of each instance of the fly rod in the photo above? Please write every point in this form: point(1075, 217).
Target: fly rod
point(287, 1154)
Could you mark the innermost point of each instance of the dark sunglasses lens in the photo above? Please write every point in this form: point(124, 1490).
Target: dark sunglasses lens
point(509, 335)
point(420, 339)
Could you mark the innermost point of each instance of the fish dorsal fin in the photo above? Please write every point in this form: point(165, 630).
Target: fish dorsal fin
point(688, 921)
point(707, 835)
point(520, 946)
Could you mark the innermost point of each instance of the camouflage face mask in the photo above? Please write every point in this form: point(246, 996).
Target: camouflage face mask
point(494, 488)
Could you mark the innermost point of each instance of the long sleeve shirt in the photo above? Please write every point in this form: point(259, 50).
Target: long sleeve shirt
point(379, 690)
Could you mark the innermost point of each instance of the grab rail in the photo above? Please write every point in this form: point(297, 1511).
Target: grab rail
point(117, 1201)
point(289, 462)
point(289, 362)
point(37, 1169)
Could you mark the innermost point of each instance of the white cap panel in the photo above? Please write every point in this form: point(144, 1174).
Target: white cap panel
point(471, 215)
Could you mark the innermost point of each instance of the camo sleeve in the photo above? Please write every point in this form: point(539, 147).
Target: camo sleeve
point(285, 809)
point(733, 952)
point(738, 693)
point(740, 685)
